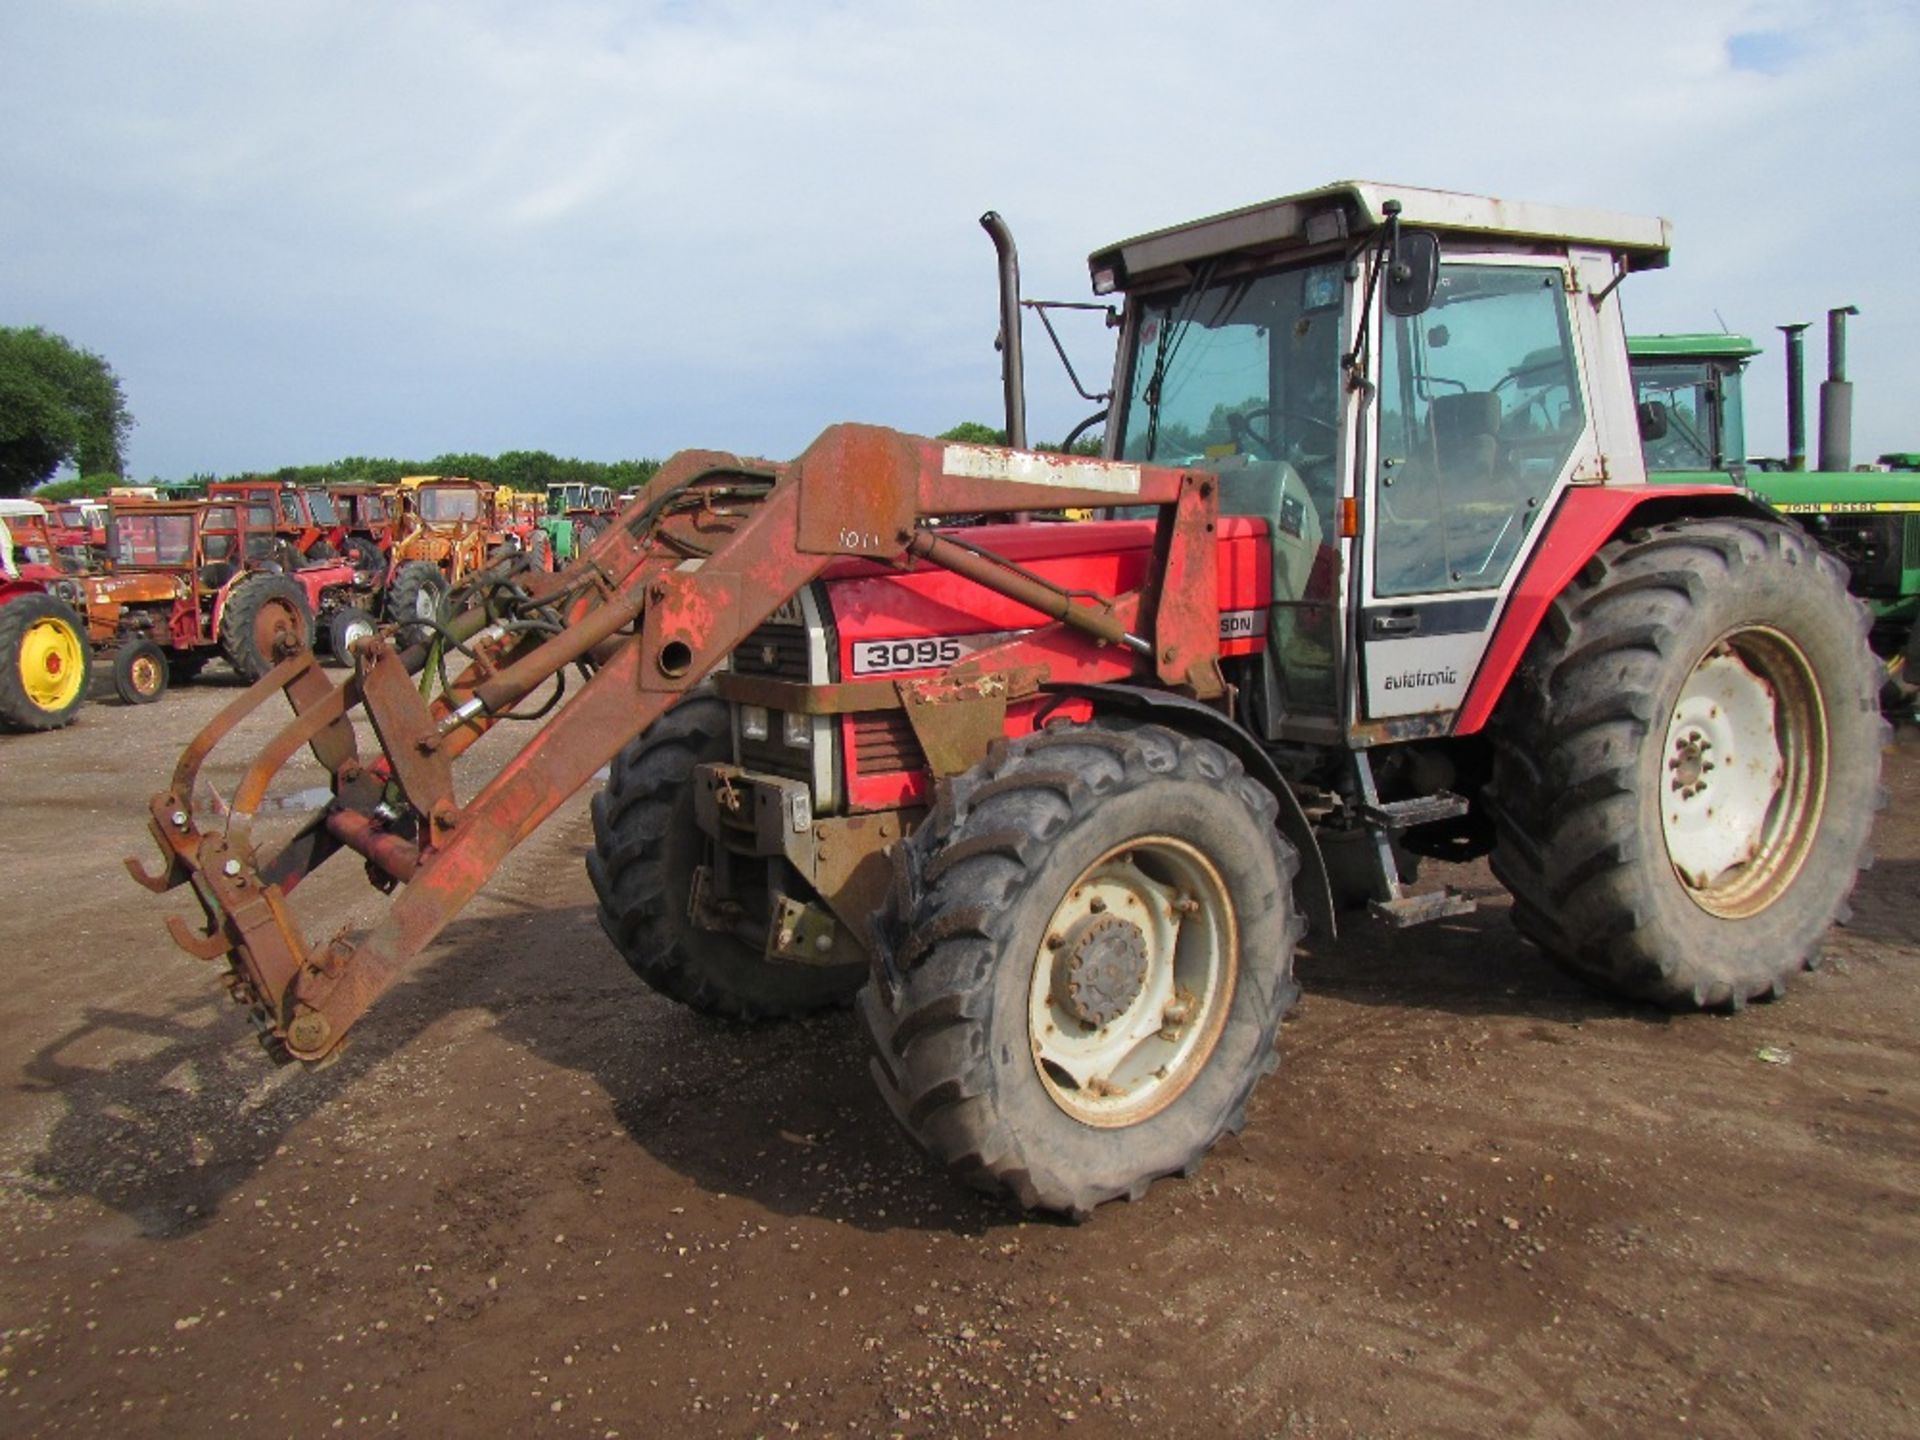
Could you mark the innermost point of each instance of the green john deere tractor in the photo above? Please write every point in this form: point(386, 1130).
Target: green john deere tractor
point(1692, 423)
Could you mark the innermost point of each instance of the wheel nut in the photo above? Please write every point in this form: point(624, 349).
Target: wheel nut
point(1097, 905)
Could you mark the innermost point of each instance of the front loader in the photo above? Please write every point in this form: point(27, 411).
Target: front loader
point(1374, 575)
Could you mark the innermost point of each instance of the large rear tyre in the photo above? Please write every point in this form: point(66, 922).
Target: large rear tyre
point(265, 620)
point(646, 845)
point(44, 662)
point(1688, 762)
point(140, 672)
point(1093, 936)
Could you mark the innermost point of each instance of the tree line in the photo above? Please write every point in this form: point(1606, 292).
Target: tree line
point(62, 406)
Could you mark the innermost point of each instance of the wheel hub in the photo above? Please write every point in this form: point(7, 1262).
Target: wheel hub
point(1740, 775)
point(1101, 970)
point(1131, 985)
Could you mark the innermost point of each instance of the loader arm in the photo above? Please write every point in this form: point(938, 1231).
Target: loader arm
point(706, 553)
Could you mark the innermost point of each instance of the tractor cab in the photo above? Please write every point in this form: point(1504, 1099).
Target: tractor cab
point(1401, 383)
point(1687, 397)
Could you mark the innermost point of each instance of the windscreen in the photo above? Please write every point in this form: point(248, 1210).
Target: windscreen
point(152, 539)
point(444, 506)
point(1242, 370)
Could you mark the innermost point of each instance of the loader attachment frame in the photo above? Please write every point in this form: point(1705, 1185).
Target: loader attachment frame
point(706, 553)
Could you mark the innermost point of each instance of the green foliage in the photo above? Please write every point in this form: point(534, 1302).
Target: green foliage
point(972, 432)
point(74, 489)
point(59, 405)
point(531, 470)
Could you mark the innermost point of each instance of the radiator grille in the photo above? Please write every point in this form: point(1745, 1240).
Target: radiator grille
point(884, 742)
point(776, 650)
point(770, 757)
point(1912, 561)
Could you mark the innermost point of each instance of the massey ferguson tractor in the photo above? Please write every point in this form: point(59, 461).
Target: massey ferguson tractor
point(1375, 574)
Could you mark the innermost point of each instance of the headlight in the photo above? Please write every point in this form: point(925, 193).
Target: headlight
point(796, 729)
point(753, 722)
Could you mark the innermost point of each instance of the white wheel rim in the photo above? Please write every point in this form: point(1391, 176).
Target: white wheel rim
point(1743, 774)
point(1132, 982)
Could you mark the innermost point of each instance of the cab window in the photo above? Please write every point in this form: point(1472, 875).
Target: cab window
point(1480, 411)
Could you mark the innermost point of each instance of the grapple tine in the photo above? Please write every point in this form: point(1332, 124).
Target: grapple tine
point(210, 946)
point(172, 877)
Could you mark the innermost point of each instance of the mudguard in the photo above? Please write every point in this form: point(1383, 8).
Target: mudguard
point(1177, 712)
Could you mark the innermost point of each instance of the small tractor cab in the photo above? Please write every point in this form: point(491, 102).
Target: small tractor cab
point(447, 526)
point(299, 521)
point(1380, 577)
point(364, 517)
point(1688, 392)
point(576, 513)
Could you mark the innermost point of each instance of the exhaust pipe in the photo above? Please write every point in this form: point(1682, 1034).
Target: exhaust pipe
point(1836, 396)
point(1013, 364)
point(1796, 396)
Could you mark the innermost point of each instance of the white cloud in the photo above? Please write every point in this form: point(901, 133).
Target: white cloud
point(319, 228)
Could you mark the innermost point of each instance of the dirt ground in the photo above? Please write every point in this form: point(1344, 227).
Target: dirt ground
point(535, 1198)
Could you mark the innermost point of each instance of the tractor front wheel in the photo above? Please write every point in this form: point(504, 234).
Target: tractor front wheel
point(140, 672)
point(647, 845)
point(1688, 762)
point(265, 620)
point(417, 600)
point(44, 662)
point(1092, 939)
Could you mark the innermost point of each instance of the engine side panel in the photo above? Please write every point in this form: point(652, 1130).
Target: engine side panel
point(891, 624)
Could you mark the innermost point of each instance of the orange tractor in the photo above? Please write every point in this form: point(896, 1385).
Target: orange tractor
point(1377, 575)
point(187, 585)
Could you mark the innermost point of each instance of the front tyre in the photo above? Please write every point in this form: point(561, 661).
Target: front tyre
point(1688, 762)
point(140, 673)
point(1093, 934)
point(647, 844)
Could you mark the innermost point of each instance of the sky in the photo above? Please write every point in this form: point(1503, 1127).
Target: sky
point(318, 228)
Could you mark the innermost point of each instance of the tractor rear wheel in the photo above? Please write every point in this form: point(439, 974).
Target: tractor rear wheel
point(265, 620)
point(646, 846)
point(1092, 939)
point(1688, 762)
point(140, 672)
point(44, 662)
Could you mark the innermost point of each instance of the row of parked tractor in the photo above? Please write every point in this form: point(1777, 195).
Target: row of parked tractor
point(248, 572)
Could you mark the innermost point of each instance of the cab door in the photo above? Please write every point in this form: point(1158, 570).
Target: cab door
point(1483, 417)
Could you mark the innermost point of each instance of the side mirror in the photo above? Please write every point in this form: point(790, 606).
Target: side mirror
point(1653, 420)
point(1413, 273)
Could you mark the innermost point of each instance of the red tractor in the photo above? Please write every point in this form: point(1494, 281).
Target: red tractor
point(301, 521)
point(44, 661)
point(1379, 577)
point(364, 519)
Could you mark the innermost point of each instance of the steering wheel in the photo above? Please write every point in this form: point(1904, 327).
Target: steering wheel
point(1240, 427)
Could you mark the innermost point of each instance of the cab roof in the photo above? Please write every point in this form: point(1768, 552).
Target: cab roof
point(1355, 207)
point(1703, 346)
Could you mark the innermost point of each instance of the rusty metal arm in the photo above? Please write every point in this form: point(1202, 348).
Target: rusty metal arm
point(701, 558)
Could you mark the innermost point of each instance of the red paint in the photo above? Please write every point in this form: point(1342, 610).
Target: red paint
point(871, 602)
point(1585, 519)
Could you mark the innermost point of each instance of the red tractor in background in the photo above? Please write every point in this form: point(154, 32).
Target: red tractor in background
point(44, 660)
point(302, 521)
point(364, 519)
point(1378, 576)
